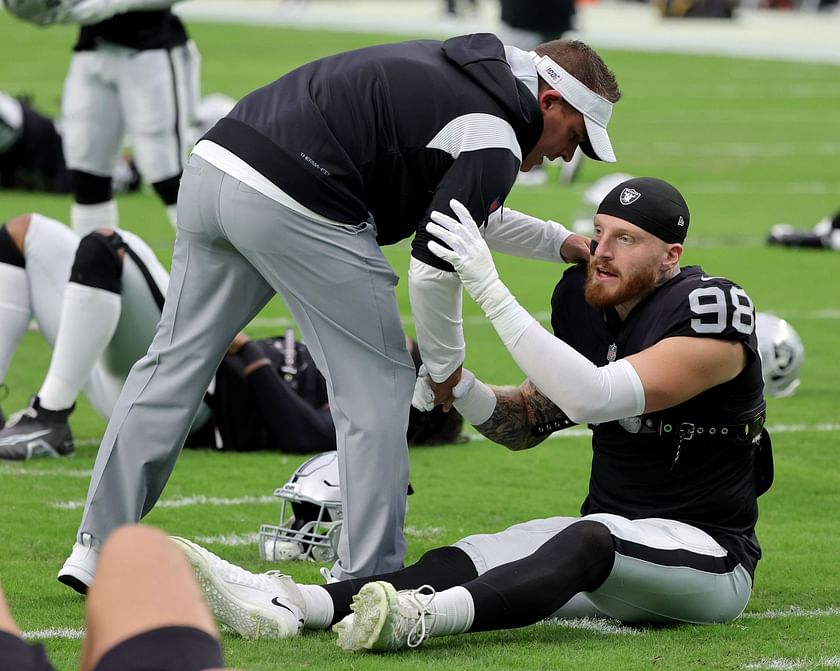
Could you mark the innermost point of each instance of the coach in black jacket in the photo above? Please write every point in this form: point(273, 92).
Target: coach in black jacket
point(293, 193)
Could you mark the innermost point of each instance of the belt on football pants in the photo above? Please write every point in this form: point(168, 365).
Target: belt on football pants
point(745, 432)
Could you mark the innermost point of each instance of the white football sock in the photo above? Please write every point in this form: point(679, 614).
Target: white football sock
point(318, 605)
point(89, 318)
point(15, 311)
point(87, 218)
point(453, 612)
point(171, 212)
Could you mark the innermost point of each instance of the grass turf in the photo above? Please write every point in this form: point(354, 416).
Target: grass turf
point(750, 143)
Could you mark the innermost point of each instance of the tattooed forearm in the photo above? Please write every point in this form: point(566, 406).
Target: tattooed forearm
point(517, 410)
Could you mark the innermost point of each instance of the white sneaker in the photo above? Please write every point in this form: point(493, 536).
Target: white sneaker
point(385, 619)
point(256, 605)
point(80, 566)
point(327, 575)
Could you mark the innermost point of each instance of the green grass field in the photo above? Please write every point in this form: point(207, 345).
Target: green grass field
point(750, 143)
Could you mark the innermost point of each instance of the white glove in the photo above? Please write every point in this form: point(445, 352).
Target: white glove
point(471, 259)
point(424, 397)
point(469, 254)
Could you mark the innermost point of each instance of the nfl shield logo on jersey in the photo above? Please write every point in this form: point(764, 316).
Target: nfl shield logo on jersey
point(629, 196)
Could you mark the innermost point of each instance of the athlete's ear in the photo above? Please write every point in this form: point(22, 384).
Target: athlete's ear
point(672, 256)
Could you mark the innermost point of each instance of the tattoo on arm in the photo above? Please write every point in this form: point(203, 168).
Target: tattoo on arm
point(517, 410)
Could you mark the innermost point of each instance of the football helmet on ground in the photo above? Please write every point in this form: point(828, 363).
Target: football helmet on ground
point(39, 12)
point(782, 354)
point(310, 514)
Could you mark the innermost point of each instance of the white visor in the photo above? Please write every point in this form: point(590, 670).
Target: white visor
point(596, 109)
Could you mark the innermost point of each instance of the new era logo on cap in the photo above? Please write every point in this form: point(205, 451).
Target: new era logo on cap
point(681, 221)
point(629, 196)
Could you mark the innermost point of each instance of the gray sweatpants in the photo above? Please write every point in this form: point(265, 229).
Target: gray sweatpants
point(234, 249)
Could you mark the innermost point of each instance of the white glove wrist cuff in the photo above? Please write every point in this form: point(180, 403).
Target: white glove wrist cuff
point(478, 405)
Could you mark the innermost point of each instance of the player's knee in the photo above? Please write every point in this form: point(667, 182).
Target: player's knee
point(90, 189)
point(98, 261)
point(167, 189)
point(594, 538)
point(12, 235)
point(589, 546)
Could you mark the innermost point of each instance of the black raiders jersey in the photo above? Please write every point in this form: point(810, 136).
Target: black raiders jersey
point(707, 481)
point(158, 29)
point(238, 405)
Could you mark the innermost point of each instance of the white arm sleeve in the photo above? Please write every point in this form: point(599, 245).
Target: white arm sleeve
point(587, 393)
point(437, 302)
point(519, 234)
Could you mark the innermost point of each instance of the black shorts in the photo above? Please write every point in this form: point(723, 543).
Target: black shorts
point(164, 649)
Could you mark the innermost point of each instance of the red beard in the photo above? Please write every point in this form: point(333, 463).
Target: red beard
point(600, 296)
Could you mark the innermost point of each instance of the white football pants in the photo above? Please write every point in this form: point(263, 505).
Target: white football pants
point(661, 574)
point(151, 96)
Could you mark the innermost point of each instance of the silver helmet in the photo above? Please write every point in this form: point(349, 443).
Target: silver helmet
point(781, 353)
point(39, 12)
point(310, 514)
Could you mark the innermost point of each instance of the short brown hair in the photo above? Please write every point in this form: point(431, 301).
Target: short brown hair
point(584, 64)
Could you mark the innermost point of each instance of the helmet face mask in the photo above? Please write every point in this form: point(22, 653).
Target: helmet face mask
point(310, 514)
point(782, 354)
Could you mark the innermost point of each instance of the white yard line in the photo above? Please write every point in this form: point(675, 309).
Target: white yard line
point(54, 632)
point(41, 472)
point(183, 502)
point(792, 611)
point(784, 663)
point(228, 540)
point(595, 625)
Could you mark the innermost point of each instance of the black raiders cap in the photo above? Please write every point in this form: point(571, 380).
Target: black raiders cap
point(651, 204)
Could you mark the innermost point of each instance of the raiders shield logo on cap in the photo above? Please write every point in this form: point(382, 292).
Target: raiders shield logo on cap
point(629, 196)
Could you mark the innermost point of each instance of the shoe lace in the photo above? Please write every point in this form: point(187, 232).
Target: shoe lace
point(327, 575)
point(17, 417)
point(414, 606)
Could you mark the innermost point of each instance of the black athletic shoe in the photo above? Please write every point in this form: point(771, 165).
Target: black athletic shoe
point(36, 432)
point(825, 235)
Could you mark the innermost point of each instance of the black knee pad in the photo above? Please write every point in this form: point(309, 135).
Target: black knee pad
point(97, 263)
point(9, 253)
point(90, 189)
point(167, 189)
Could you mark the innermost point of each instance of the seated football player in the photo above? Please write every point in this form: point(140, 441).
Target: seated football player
point(661, 361)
